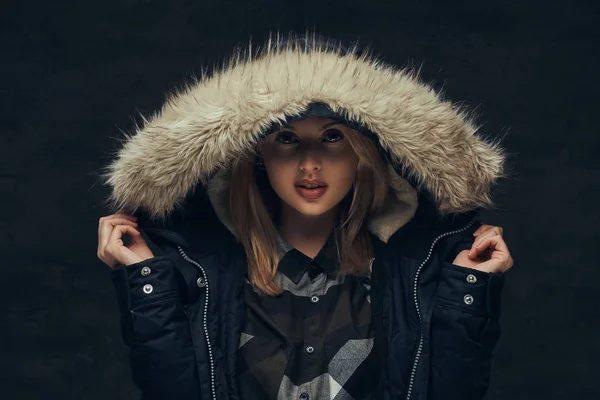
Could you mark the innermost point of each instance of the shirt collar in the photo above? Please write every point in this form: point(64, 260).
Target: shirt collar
point(293, 263)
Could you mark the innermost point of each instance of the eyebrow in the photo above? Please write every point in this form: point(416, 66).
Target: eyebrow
point(323, 127)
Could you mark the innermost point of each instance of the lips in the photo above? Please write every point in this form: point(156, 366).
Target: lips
point(310, 182)
point(311, 194)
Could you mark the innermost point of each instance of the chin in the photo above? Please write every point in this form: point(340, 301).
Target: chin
point(312, 211)
point(312, 207)
point(309, 207)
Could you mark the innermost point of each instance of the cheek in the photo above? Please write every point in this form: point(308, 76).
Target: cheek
point(343, 174)
point(345, 163)
point(281, 173)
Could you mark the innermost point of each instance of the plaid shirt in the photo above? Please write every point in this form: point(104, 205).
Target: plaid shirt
point(315, 340)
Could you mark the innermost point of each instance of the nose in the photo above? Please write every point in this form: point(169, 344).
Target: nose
point(309, 159)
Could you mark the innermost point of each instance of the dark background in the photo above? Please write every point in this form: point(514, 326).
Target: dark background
point(75, 75)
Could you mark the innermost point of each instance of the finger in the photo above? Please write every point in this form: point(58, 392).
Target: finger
point(113, 216)
point(483, 228)
point(111, 222)
point(493, 242)
point(486, 228)
point(477, 246)
point(106, 227)
point(108, 222)
point(492, 231)
point(496, 229)
point(501, 246)
point(499, 261)
point(116, 238)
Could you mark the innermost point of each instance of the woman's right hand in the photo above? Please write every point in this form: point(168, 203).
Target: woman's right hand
point(111, 249)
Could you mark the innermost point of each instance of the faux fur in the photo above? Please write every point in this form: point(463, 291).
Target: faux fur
point(217, 118)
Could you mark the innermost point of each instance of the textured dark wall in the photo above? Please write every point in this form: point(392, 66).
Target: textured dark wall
point(76, 74)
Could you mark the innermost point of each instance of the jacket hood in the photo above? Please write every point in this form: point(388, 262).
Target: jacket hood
point(430, 145)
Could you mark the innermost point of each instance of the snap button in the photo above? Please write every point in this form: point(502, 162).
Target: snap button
point(303, 396)
point(146, 271)
point(310, 349)
point(471, 278)
point(468, 299)
point(148, 288)
point(314, 299)
point(201, 282)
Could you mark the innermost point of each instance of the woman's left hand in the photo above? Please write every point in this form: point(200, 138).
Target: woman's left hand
point(489, 253)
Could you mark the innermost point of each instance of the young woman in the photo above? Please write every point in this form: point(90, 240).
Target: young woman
point(338, 254)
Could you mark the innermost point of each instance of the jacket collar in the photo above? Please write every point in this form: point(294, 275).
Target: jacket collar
point(293, 263)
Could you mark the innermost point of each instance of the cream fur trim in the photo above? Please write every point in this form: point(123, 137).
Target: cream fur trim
point(201, 128)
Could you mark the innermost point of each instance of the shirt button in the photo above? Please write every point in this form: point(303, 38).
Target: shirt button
point(146, 271)
point(304, 396)
point(471, 278)
point(201, 282)
point(148, 289)
point(468, 299)
point(310, 349)
point(314, 299)
point(313, 264)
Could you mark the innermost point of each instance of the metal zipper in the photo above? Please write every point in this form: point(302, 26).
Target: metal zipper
point(210, 355)
point(415, 286)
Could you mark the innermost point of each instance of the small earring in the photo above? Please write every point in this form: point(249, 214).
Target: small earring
point(259, 163)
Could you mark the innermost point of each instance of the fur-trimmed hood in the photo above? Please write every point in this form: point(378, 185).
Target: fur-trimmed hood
point(429, 143)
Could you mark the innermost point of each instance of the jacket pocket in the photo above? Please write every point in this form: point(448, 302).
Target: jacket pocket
point(153, 319)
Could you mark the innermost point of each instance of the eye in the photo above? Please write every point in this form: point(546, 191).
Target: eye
point(286, 135)
point(330, 136)
point(336, 134)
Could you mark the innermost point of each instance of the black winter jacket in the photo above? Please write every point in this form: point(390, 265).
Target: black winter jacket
point(436, 323)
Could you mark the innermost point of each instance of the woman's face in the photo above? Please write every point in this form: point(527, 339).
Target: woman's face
point(315, 149)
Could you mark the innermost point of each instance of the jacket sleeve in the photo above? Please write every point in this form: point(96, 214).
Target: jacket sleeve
point(465, 327)
point(154, 326)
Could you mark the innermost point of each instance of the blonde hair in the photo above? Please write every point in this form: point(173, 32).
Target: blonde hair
point(254, 207)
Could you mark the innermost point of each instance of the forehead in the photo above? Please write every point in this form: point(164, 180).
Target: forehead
point(309, 123)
